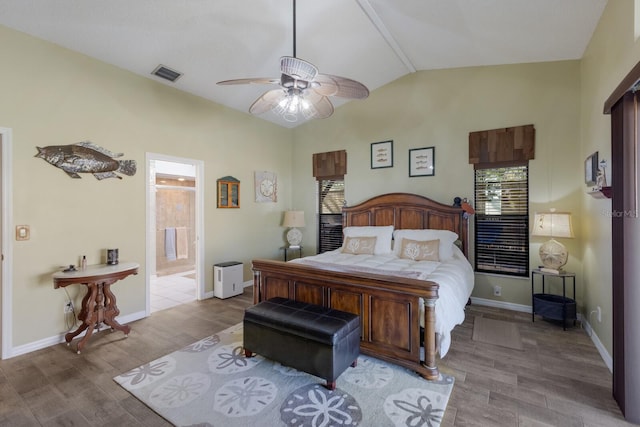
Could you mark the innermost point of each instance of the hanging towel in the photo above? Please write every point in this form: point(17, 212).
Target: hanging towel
point(170, 243)
point(182, 245)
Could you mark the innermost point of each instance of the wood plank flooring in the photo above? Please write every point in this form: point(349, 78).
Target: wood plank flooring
point(559, 379)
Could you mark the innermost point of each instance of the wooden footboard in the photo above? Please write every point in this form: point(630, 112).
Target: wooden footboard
point(388, 307)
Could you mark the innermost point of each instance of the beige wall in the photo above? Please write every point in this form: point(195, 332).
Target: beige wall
point(51, 96)
point(612, 53)
point(440, 108)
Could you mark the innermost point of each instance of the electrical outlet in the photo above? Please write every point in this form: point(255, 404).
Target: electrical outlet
point(68, 307)
point(599, 315)
point(497, 291)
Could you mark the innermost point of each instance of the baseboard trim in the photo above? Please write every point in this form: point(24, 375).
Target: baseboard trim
point(606, 357)
point(58, 339)
point(501, 304)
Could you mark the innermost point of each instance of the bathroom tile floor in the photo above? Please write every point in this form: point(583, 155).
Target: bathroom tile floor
point(172, 290)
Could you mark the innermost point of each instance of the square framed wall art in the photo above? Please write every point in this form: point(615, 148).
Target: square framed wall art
point(382, 154)
point(422, 161)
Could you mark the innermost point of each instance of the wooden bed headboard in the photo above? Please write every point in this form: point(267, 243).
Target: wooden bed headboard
point(408, 211)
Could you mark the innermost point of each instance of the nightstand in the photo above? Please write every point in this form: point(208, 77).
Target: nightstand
point(292, 249)
point(552, 306)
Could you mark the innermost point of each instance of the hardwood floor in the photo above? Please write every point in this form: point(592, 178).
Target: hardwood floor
point(559, 379)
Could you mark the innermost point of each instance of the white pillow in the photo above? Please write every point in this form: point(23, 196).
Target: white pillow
point(383, 235)
point(446, 238)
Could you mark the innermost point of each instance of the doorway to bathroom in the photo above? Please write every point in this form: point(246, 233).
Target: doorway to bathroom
point(174, 217)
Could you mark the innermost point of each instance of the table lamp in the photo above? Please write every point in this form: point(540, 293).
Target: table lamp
point(293, 219)
point(552, 224)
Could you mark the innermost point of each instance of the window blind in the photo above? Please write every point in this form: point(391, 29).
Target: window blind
point(330, 201)
point(502, 220)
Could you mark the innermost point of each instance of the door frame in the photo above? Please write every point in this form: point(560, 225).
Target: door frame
point(6, 243)
point(151, 222)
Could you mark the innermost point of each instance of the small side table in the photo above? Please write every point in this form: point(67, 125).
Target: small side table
point(292, 249)
point(99, 303)
point(553, 306)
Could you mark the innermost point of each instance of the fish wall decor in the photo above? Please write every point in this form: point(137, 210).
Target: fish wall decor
point(86, 157)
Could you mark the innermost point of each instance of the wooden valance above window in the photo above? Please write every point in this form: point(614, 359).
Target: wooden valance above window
point(330, 165)
point(502, 147)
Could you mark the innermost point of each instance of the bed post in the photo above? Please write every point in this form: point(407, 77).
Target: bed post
point(430, 338)
point(256, 287)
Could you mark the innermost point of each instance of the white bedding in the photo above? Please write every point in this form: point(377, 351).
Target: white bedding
point(454, 276)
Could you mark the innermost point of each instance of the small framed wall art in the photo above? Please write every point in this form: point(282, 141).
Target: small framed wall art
point(422, 161)
point(591, 169)
point(381, 154)
point(266, 185)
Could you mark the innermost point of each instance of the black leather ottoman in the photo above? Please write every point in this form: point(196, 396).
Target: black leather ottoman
point(310, 338)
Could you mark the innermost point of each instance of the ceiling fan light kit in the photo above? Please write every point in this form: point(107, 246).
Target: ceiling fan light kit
point(303, 90)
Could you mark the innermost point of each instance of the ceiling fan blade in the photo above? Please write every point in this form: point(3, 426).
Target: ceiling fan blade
point(319, 106)
point(260, 81)
point(267, 101)
point(298, 68)
point(339, 86)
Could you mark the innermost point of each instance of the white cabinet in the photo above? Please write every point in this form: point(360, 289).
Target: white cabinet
point(227, 279)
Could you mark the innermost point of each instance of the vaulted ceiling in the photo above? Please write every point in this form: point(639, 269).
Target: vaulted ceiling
point(372, 41)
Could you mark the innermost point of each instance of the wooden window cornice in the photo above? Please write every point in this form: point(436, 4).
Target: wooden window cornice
point(330, 165)
point(502, 147)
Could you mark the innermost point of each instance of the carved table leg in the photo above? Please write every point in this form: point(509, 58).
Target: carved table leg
point(83, 315)
point(111, 311)
point(87, 316)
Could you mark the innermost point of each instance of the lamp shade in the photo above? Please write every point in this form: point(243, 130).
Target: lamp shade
point(552, 224)
point(293, 219)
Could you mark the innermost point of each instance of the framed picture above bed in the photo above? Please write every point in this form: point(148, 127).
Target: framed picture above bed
point(422, 162)
point(382, 154)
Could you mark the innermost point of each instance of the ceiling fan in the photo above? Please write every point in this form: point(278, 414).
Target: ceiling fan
point(303, 89)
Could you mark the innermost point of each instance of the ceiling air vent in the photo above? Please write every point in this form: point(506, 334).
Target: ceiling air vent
point(166, 73)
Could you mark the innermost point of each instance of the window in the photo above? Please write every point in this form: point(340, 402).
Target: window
point(329, 170)
point(330, 202)
point(502, 220)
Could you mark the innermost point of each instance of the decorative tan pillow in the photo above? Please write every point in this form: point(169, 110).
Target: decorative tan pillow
point(446, 238)
point(384, 234)
point(420, 250)
point(359, 245)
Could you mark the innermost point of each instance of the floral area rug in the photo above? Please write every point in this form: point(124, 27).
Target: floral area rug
point(211, 383)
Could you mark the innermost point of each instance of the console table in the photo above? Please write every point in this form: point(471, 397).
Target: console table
point(99, 303)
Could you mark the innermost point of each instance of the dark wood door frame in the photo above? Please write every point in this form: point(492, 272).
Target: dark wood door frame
point(623, 107)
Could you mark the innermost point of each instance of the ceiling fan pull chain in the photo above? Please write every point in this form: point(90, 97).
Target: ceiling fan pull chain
point(294, 28)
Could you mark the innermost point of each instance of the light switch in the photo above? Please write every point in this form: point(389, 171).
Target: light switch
point(22, 232)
